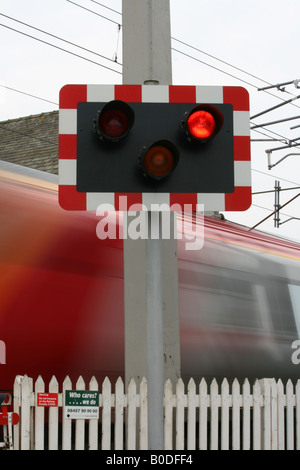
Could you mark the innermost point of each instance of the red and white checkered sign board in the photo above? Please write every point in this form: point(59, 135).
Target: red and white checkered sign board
point(71, 95)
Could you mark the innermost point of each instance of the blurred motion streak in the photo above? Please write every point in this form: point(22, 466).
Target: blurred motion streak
point(62, 293)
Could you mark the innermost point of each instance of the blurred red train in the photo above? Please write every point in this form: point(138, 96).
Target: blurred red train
point(61, 294)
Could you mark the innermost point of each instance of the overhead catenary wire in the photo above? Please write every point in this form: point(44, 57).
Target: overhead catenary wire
point(270, 215)
point(95, 13)
point(108, 8)
point(28, 94)
point(60, 48)
point(274, 190)
point(186, 44)
point(114, 60)
point(271, 123)
point(280, 138)
point(270, 210)
point(173, 38)
point(275, 107)
point(196, 59)
point(274, 176)
point(219, 60)
point(57, 37)
point(207, 54)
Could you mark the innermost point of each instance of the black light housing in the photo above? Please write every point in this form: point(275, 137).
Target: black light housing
point(147, 147)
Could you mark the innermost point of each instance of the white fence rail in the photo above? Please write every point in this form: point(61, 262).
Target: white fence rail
point(263, 416)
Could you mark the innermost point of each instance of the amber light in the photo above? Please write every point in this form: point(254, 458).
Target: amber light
point(159, 160)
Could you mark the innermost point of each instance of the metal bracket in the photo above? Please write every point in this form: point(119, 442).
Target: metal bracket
point(269, 153)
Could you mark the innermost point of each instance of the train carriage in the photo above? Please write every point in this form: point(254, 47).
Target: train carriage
point(62, 293)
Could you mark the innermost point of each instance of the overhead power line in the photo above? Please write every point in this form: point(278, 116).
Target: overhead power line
point(212, 66)
point(280, 138)
point(108, 8)
point(28, 94)
point(274, 176)
point(269, 210)
point(114, 60)
point(270, 215)
point(91, 11)
point(57, 37)
point(274, 190)
point(60, 48)
point(198, 50)
point(231, 75)
point(220, 60)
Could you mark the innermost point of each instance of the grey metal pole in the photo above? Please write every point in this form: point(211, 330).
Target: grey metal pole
point(151, 285)
point(155, 339)
point(147, 42)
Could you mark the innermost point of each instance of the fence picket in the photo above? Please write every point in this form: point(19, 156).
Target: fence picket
point(214, 415)
point(266, 417)
point(53, 418)
point(225, 415)
point(66, 423)
point(119, 410)
point(246, 407)
point(26, 390)
point(269, 410)
point(17, 406)
point(180, 415)
point(203, 406)
point(236, 415)
point(106, 414)
point(274, 414)
point(131, 416)
point(256, 416)
point(39, 427)
point(93, 423)
point(143, 415)
point(168, 423)
point(281, 420)
point(191, 417)
point(80, 424)
point(289, 416)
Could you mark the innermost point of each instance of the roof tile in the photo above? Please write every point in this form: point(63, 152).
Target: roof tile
point(31, 141)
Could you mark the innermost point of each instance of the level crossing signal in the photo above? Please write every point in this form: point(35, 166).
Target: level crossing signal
point(167, 145)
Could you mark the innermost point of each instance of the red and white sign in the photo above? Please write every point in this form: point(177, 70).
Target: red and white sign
point(71, 95)
point(4, 418)
point(47, 399)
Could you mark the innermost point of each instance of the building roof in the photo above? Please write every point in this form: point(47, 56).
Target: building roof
point(31, 141)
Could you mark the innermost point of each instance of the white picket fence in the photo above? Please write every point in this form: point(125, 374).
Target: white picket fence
point(263, 416)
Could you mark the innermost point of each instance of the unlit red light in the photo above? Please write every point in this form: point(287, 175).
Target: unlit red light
point(114, 123)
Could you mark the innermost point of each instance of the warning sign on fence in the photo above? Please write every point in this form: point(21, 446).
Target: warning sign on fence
point(47, 399)
point(81, 404)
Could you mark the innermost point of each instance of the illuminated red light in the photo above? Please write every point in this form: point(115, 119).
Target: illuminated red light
point(201, 124)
